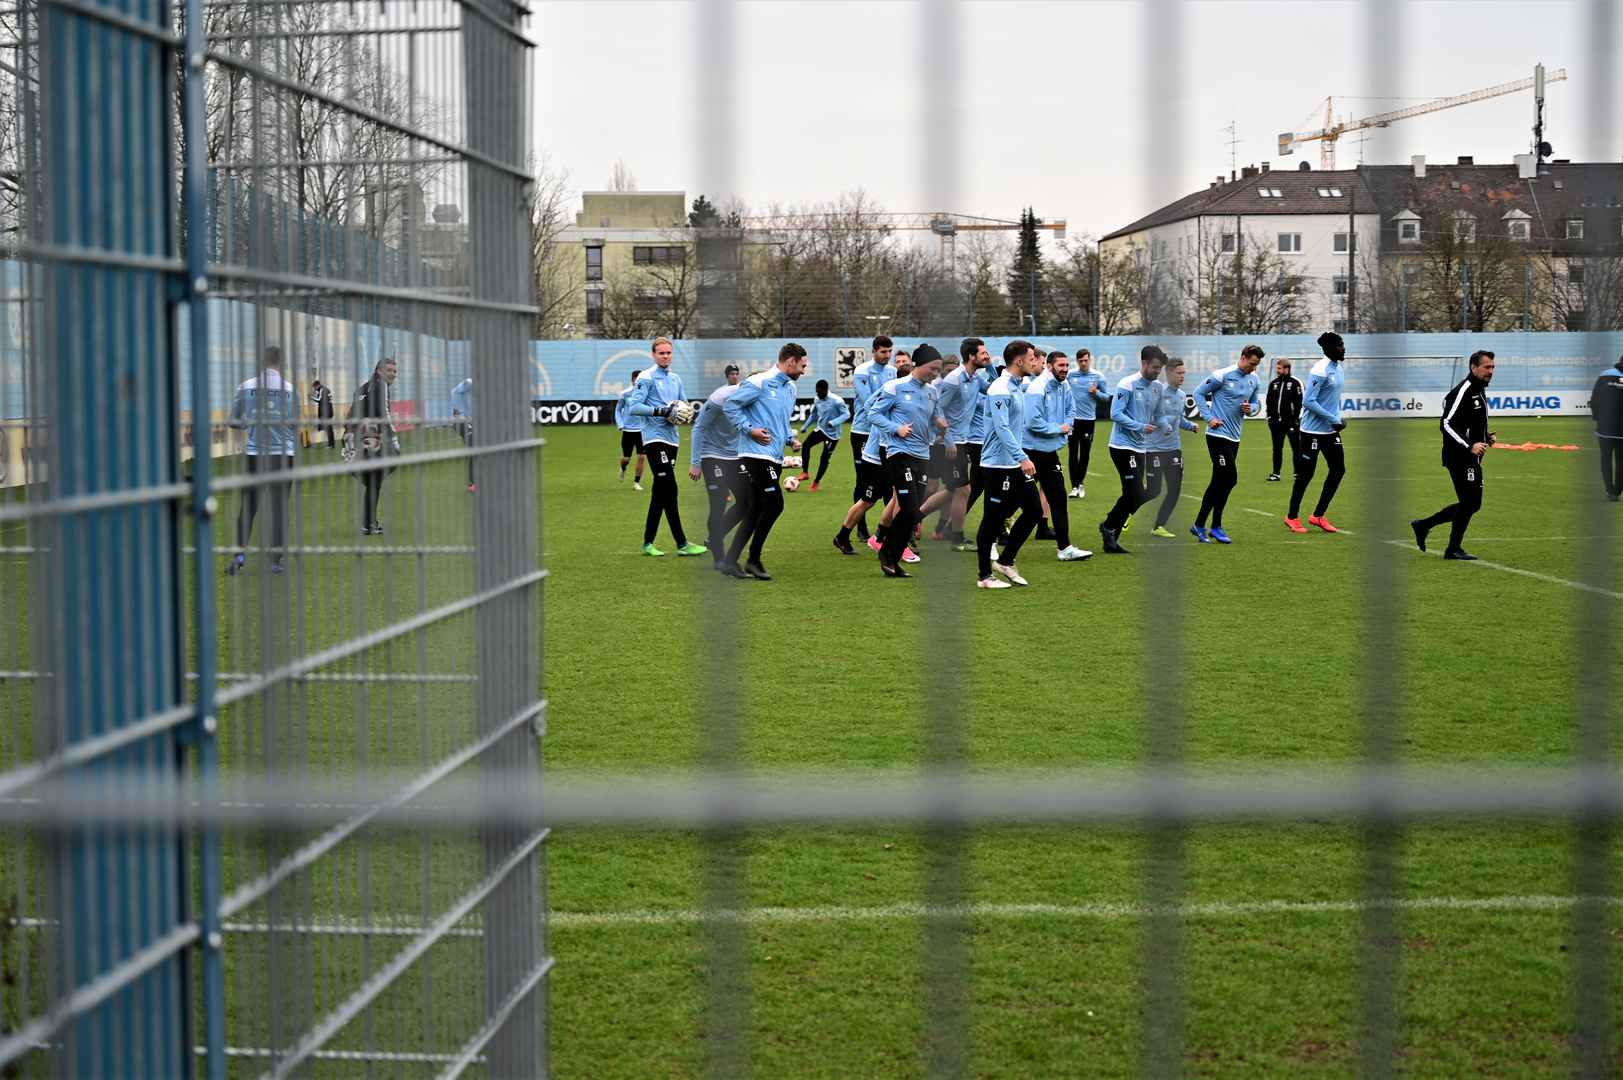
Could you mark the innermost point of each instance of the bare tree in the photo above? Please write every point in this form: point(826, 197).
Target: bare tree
point(622, 180)
point(557, 281)
point(1247, 290)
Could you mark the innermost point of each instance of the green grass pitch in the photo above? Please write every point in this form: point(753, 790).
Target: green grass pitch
point(836, 677)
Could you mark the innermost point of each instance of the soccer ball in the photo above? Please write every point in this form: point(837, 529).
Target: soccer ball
point(791, 463)
point(681, 412)
point(791, 483)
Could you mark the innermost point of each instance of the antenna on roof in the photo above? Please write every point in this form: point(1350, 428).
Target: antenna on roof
point(1233, 141)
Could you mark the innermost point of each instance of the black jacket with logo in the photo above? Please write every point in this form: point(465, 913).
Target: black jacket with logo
point(1285, 401)
point(1606, 402)
point(1465, 420)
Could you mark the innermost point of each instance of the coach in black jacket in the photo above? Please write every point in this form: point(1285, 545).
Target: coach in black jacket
point(1284, 411)
point(1465, 439)
point(1606, 402)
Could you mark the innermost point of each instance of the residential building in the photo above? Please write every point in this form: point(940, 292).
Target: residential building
point(1384, 248)
point(629, 248)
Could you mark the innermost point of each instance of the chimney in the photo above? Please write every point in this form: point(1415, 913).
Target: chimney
point(1264, 166)
point(1232, 177)
point(1250, 170)
point(1419, 163)
point(1213, 186)
point(1467, 159)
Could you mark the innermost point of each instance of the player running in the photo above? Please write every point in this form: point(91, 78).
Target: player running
point(716, 446)
point(1466, 439)
point(907, 411)
point(1321, 433)
point(1008, 474)
point(655, 395)
point(866, 381)
point(462, 414)
point(1088, 392)
point(1134, 410)
point(762, 409)
point(1225, 398)
point(1165, 444)
point(827, 414)
point(1284, 413)
point(962, 393)
point(630, 433)
point(1048, 416)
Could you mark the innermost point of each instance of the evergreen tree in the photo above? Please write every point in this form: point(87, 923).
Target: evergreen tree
point(703, 213)
point(1026, 284)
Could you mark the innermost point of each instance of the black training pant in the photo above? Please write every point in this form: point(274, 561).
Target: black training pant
point(1280, 433)
point(1611, 464)
point(1007, 491)
point(464, 431)
point(765, 504)
point(665, 498)
point(276, 496)
point(1051, 478)
point(723, 477)
point(828, 452)
point(1225, 474)
point(977, 481)
point(1307, 460)
point(1139, 484)
point(1172, 466)
point(907, 475)
point(1079, 449)
point(1466, 472)
point(372, 491)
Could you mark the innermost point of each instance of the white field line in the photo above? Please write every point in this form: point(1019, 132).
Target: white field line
point(837, 913)
point(1518, 570)
point(1264, 513)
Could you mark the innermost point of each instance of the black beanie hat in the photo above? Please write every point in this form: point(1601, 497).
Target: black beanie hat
point(925, 354)
point(1327, 337)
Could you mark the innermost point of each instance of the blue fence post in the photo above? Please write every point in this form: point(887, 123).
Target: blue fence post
point(110, 372)
point(204, 506)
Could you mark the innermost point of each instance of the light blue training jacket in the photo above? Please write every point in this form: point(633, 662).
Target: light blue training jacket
point(1085, 403)
point(1169, 421)
point(961, 394)
point(827, 414)
point(906, 401)
point(866, 381)
point(622, 416)
point(765, 400)
point(656, 388)
point(714, 433)
point(1221, 394)
point(1137, 402)
point(1048, 406)
point(264, 406)
point(1005, 425)
point(462, 398)
point(1321, 401)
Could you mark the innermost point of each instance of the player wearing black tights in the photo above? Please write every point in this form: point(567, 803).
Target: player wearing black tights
point(1466, 439)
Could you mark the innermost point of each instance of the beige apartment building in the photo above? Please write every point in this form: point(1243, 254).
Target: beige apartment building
point(633, 241)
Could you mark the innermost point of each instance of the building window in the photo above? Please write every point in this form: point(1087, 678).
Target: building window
point(1329, 193)
point(594, 307)
point(1577, 276)
point(658, 256)
point(1408, 232)
point(1521, 230)
point(1341, 241)
point(1575, 228)
point(1339, 285)
point(1270, 193)
point(1588, 200)
point(1230, 240)
point(1465, 229)
point(594, 264)
point(1611, 200)
point(1290, 242)
point(1577, 321)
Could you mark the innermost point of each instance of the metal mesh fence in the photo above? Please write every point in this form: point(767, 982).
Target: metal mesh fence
point(266, 252)
point(270, 675)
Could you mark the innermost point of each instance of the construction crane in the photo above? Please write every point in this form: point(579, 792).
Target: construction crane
point(1327, 135)
point(945, 225)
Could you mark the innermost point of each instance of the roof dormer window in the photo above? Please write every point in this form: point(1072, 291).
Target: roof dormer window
point(1329, 193)
point(1270, 193)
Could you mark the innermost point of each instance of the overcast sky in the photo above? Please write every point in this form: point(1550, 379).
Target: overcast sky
point(830, 95)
